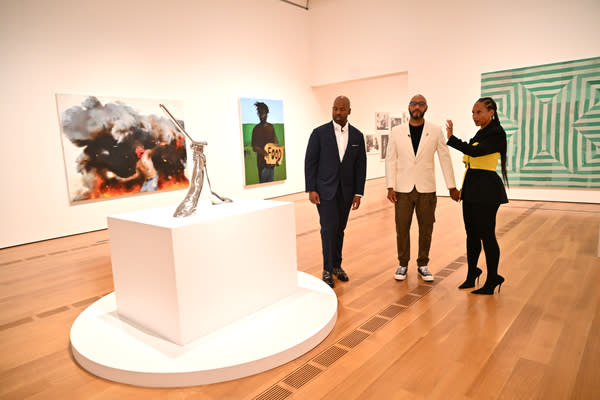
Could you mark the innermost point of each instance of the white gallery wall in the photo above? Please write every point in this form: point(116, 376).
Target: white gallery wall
point(444, 46)
point(210, 53)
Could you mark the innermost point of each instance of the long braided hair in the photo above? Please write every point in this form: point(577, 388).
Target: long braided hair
point(490, 104)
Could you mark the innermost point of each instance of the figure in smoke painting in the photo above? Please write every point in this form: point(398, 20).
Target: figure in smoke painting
point(116, 147)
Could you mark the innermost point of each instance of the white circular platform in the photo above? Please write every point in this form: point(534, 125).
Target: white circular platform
point(113, 348)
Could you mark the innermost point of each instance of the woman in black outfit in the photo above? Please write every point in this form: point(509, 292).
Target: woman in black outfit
point(482, 192)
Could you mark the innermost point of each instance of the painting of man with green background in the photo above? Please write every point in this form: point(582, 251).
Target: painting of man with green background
point(263, 140)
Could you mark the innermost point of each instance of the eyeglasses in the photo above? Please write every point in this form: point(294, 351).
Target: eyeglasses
point(417, 103)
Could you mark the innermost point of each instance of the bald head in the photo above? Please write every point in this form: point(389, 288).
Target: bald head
point(343, 100)
point(341, 110)
point(418, 98)
point(417, 108)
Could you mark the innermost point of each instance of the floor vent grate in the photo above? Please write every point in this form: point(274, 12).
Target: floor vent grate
point(408, 299)
point(274, 393)
point(302, 375)
point(444, 273)
point(373, 324)
point(330, 356)
point(421, 290)
point(454, 265)
point(392, 310)
point(353, 339)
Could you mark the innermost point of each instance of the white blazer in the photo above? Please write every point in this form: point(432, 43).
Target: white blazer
point(404, 169)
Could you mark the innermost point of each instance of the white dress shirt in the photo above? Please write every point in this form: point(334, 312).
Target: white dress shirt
point(341, 137)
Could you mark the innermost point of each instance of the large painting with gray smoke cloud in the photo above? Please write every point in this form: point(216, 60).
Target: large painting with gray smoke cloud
point(117, 146)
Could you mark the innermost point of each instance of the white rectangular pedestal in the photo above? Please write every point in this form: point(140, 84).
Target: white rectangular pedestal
point(183, 278)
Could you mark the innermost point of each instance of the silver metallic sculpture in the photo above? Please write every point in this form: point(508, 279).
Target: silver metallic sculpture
point(190, 202)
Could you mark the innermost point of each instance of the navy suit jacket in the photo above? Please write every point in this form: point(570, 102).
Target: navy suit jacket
point(323, 170)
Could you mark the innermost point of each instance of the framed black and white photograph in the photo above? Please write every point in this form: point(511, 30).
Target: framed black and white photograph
point(382, 121)
point(372, 143)
point(384, 143)
point(396, 120)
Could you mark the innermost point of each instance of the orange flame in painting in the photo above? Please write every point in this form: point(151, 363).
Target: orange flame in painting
point(106, 188)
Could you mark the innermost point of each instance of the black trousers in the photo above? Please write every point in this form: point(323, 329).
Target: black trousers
point(333, 216)
point(480, 225)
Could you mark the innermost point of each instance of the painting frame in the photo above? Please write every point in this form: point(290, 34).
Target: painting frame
point(115, 146)
point(262, 129)
point(372, 143)
point(382, 121)
point(551, 115)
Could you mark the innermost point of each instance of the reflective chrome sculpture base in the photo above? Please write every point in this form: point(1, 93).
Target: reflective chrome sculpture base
point(190, 202)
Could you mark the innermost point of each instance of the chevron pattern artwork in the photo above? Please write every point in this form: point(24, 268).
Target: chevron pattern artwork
point(551, 114)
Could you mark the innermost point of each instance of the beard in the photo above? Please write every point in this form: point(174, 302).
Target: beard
point(416, 114)
point(339, 119)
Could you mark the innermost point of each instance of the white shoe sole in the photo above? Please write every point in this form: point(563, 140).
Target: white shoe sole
point(426, 278)
point(399, 277)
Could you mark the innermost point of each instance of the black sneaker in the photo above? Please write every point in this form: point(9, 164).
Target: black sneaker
point(425, 274)
point(327, 278)
point(341, 274)
point(400, 274)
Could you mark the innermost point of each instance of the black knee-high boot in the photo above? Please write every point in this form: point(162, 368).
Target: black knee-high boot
point(473, 246)
point(491, 249)
point(473, 251)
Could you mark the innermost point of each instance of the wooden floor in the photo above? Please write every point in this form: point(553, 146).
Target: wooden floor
point(538, 339)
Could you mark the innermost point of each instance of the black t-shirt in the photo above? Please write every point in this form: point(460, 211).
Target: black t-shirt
point(415, 135)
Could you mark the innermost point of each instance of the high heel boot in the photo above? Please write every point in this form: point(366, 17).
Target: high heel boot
point(490, 285)
point(471, 278)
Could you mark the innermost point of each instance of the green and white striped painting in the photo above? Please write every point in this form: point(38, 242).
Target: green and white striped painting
point(551, 114)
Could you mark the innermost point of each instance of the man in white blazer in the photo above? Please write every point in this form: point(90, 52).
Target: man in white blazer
point(410, 179)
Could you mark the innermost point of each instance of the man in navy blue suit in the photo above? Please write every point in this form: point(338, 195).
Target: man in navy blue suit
point(335, 169)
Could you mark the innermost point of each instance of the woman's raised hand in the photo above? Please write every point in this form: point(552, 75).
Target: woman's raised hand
point(449, 128)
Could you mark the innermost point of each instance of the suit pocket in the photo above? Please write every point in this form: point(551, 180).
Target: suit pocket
point(352, 148)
